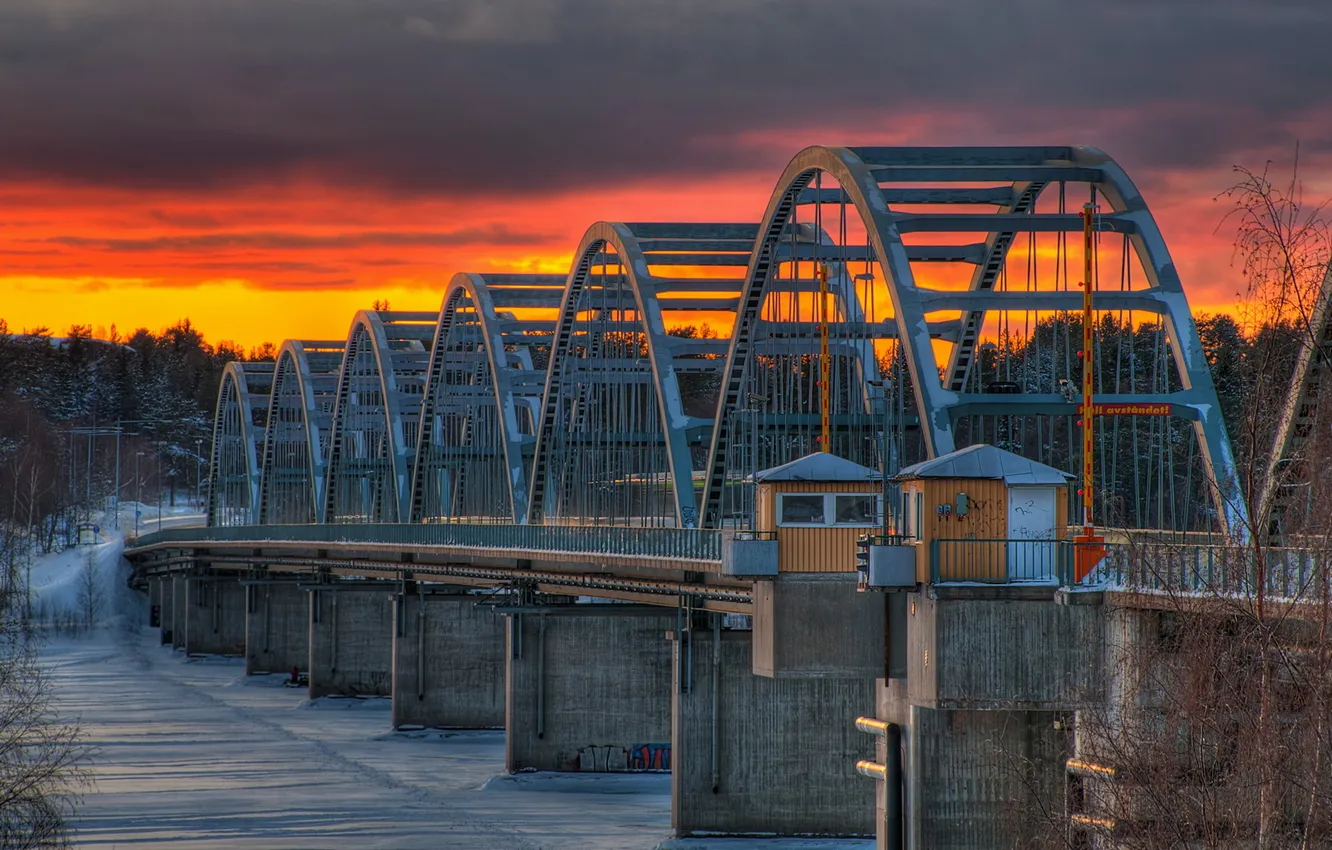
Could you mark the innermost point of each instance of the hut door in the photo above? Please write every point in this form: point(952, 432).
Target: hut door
point(1031, 533)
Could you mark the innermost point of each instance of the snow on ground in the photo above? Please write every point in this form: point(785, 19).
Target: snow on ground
point(191, 753)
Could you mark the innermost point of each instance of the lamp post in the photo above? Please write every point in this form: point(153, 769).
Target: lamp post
point(138, 491)
point(198, 474)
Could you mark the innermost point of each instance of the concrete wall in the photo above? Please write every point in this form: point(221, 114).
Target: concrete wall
point(154, 600)
point(351, 642)
point(975, 779)
point(448, 662)
point(995, 649)
point(215, 617)
point(179, 601)
point(846, 640)
point(167, 610)
point(583, 688)
point(277, 629)
point(786, 748)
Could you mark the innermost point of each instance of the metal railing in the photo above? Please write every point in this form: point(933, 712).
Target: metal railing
point(675, 543)
point(1216, 569)
point(1193, 568)
point(1001, 561)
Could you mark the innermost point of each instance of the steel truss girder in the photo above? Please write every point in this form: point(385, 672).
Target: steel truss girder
point(306, 371)
point(242, 395)
point(396, 364)
point(629, 251)
point(472, 290)
point(860, 175)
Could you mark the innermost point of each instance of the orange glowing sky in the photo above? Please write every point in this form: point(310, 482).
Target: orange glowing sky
point(267, 168)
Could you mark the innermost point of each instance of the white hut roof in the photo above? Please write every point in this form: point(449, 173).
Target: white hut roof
point(819, 467)
point(985, 461)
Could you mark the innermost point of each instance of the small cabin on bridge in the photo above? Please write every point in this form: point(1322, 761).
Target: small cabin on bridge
point(984, 514)
point(817, 507)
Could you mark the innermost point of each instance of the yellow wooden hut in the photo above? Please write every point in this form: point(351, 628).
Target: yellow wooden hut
point(817, 507)
point(984, 514)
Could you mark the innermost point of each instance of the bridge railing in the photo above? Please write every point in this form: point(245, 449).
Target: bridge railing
point(1155, 567)
point(670, 543)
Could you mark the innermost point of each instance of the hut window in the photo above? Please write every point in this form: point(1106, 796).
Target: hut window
point(802, 510)
point(830, 509)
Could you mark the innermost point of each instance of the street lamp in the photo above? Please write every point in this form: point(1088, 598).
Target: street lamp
point(138, 488)
point(198, 474)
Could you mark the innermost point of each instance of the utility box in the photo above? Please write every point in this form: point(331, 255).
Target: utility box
point(749, 553)
point(891, 565)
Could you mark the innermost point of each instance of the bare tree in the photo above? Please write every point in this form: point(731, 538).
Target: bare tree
point(1213, 727)
point(41, 754)
point(90, 600)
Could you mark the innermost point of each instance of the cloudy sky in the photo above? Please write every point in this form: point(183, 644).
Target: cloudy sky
point(231, 159)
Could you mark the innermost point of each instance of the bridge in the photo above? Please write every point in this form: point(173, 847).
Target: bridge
point(638, 515)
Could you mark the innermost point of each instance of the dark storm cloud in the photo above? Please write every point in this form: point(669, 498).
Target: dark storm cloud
point(529, 95)
point(278, 241)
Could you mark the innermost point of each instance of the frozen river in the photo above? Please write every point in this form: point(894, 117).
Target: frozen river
point(192, 754)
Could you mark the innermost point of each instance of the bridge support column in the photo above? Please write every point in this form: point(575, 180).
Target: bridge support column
point(214, 616)
point(985, 715)
point(159, 592)
point(588, 687)
point(351, 641)
point(277, 628)
point(448, 662)
point(179, 601)
point(766, 755)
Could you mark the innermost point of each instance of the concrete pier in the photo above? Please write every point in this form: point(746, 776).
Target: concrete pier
point(179, 601)
point(351, 640)
point(588, 687)
point(448, 662)
point(985, 713)
point(277, 628)
point(214, 616)
point(166, 607)
point(754, 754)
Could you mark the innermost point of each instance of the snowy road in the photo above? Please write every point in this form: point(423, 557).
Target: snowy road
point(194, 755)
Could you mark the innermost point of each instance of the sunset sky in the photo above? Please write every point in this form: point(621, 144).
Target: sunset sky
point(267, 167)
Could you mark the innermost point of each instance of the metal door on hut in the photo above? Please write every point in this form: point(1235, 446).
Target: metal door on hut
point(1031, 533)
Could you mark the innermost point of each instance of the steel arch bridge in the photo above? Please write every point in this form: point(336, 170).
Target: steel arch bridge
point(921, 295)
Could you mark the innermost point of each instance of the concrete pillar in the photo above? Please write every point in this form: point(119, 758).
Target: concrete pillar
point(985, 712)
point(154, 602)
point(448, 662)
point(165, 606)
point(277, 628)
point(179, 600)
point(215, 617)
point(588, 687)
point(351, 641)
point(974, 779)
point(753, 754)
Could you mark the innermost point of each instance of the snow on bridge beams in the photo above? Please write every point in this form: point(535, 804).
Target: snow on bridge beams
point(238, 434)
point(948, 315)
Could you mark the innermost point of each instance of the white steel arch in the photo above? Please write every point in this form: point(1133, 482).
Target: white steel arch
point(300, 417)
point(873, 180)
point(238, 434)
point(474, 443)
point(613, 418)
point(376, 413)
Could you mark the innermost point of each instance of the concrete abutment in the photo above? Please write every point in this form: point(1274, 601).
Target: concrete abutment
point(351, 640)
point(754, 754)
point(277, 628)
point(214, 616)
point(588, 687)
point(448, 661)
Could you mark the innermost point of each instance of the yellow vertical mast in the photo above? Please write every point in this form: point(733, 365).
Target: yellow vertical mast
point(1088, 287)
point(825, 368)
